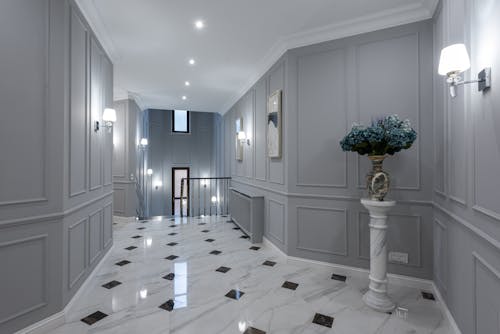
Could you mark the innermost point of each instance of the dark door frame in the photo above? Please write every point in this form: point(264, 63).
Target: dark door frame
point(173, 188)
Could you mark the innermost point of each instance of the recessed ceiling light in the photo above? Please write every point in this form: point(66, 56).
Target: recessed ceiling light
point(199, 24)
point(187, 83)
point(184, 97)
point(192, 61)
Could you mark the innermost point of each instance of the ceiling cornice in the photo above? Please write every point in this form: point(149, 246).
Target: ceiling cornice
point(384, 19)
point(91, 14)
point(422, 10)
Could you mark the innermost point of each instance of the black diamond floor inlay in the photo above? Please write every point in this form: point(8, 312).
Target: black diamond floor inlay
point(171, 257)
point(172, 219)
point(337, 277)
point(168, 305)
point(141, 228)
point(122, 263)
point(94, 317)
point(172, 244)
point(229, 221)
point(173, 233)
point(428, 295)
point(137, 236)
point(245, 237)
point(251, 330)
point(111, 285)
point(202, 224)
point(290, 285)
point(173, 226)
point(169, 277)
point(235, 294)
point(223, 269)
point(210, 240)
point(269, 263)
point(205, 231)
point(130, 247)
point(236, 228)
point(255, 248)
point(215, 252)
point(323, 320)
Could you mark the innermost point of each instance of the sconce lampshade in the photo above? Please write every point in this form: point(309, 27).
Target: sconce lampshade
point(144, 141)
point(242, 135)
point(149, 171)
point(453, 59)
point(109, 115)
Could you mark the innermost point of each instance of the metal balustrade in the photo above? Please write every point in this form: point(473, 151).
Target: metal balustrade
point(202, 196)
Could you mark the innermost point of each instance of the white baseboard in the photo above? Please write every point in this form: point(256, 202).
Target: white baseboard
point(52, 322)
point(447, 312)
point(45, 325)
point(413, 282)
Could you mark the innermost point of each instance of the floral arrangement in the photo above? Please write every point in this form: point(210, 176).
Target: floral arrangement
point(385, 136)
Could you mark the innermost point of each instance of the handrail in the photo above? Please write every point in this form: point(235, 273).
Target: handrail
point(219, 190)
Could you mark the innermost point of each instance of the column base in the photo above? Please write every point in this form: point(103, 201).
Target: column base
point(378, 301)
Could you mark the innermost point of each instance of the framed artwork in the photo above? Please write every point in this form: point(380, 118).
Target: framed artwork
point(274, 125)
point(238, 144)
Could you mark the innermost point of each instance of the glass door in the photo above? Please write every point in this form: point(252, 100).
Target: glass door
point(179, 173)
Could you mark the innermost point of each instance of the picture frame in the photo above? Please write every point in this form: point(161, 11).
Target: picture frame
point(274, 120)
point(238, 144)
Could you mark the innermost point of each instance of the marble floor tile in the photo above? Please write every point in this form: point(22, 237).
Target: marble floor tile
point(186, 295)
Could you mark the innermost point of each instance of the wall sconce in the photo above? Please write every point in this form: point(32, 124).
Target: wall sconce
point(158, 184)
point(214, 199)
point(454, 60)
point(108, 117)
point(242, 137)
point(143, 143)
point(149, 171)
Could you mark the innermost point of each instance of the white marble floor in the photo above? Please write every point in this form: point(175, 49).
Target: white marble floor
point(194, 298)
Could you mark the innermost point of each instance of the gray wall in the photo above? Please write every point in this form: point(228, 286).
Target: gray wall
point(196, 150)
point(466, 165)
point(127, 156)
point(312, 193)
point(55, 180)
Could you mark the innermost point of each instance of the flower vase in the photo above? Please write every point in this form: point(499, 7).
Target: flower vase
point(377, 179)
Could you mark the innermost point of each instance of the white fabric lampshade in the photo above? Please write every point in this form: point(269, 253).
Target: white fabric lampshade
point(454, 58)
point(109, 115)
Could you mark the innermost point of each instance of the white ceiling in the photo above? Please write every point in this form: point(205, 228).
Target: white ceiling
point(151, 41)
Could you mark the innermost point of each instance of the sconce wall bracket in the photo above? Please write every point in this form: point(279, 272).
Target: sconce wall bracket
point(483, 81)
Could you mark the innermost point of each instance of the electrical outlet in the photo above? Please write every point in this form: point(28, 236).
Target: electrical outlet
point(398, 257)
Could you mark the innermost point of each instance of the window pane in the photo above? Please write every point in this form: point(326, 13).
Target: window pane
point(181, 120)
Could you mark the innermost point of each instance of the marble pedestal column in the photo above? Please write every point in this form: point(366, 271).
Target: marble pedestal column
point(376, 297)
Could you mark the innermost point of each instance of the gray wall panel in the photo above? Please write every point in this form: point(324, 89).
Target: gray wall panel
point(321, 87)
point(77, 246)
point(95, 236)
point(326, 87)
point(195, 150)
point(78, 107)
point(322, 230)
point(25, 264)
point(45, 112)
point(24, 99)
point(467, 219)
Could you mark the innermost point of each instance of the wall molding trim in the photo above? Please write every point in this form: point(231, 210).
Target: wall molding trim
point(384, 19)
point(447, 312)
point(326, 197)
point(50, 323)
point(52, 216)
point(469, 226)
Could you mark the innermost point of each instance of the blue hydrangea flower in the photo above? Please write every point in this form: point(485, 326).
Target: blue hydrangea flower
point(385, 136)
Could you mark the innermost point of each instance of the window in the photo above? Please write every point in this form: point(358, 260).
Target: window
point(180, 121)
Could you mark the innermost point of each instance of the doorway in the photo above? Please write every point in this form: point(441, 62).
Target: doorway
point(179, 173)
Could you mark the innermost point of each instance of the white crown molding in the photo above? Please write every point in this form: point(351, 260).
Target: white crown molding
point(420, 11)
point(91, 14)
